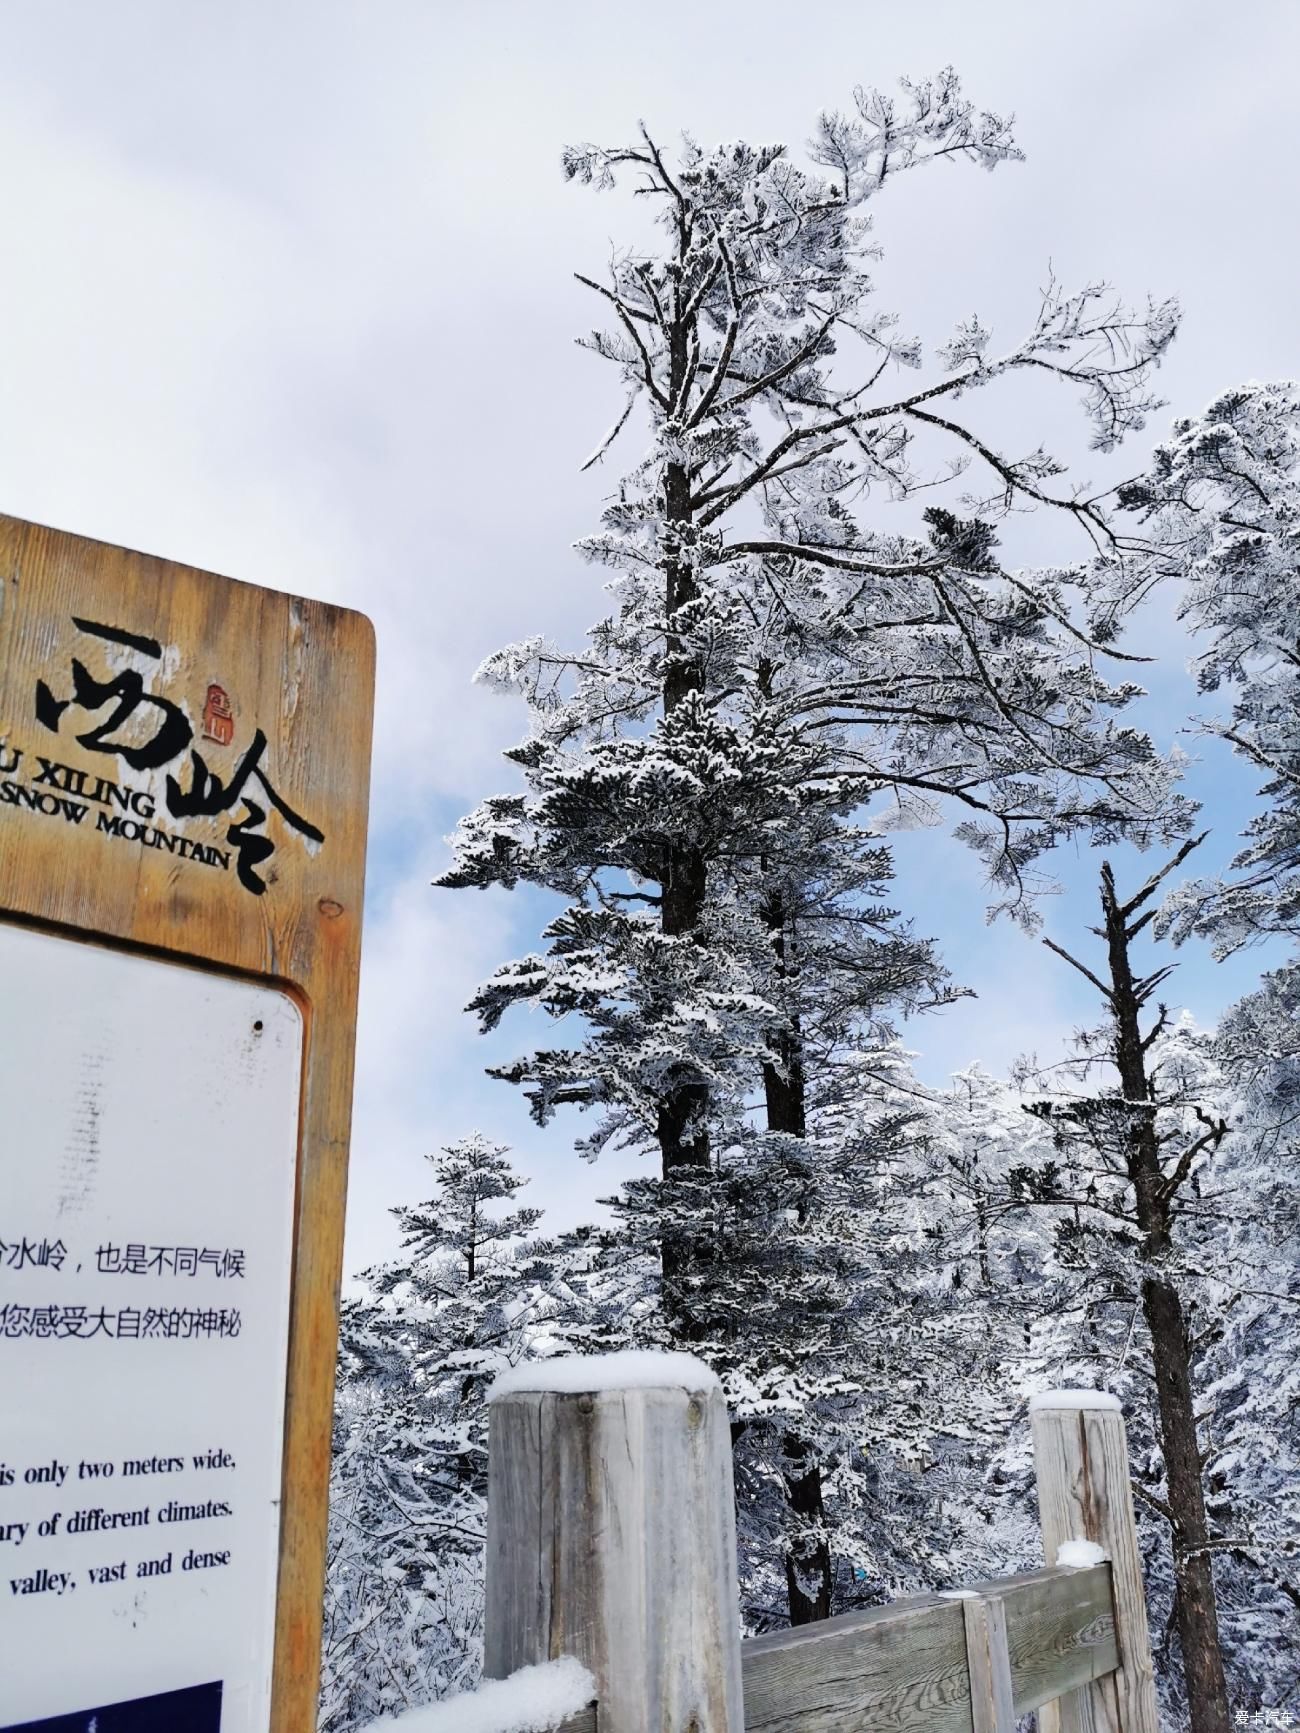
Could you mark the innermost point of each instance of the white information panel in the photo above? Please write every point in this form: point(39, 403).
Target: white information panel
point(148, 1138)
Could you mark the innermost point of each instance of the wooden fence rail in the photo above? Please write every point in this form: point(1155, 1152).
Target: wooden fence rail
point(928, 1662)
point(611, 1538)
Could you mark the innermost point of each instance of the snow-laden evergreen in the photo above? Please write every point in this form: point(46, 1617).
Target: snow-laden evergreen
point(770, 648)
point(404, 1600)
point(1222, 502)
point(780, 682)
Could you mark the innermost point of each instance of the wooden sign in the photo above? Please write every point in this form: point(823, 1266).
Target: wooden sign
point(183, 787)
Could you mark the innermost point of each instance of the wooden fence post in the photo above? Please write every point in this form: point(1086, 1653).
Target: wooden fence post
point(1084, 1493)
point(992, 1708)
point(611, 1536)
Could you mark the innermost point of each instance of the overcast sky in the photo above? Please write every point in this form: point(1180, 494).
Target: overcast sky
point(286, 293)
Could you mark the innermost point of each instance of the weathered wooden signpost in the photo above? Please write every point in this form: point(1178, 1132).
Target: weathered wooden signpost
point(183, 786)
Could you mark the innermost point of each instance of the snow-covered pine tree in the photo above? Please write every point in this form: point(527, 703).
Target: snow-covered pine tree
point(1222, 498)
point(404, 1597)
point(988, 1269)
point(666, 750)
point(837, 965)
point(1246, 1280)
point(403, 1589)
point(865, 1391)
point(772, 665)
point(473, 1178)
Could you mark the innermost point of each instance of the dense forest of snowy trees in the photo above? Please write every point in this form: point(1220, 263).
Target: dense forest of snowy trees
point(798, 658)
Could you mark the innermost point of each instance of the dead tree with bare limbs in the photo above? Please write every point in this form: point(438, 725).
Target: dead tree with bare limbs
point(1147, 1146)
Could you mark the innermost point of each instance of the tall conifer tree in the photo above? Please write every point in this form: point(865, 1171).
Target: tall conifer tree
point(764, 642)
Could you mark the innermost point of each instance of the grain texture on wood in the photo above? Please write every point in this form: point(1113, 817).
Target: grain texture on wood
point(611, 1537)
point(907, 1665)
point(987, 1656)
point(1081, 1461)
point(583, 1722)
point(1060, 1631)
point(238, 663)
point(899, 1667)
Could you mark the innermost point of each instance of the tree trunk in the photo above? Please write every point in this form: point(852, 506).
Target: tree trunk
point(1198, 1623)
point(783, 1088)
point(683, 1134)
point(1198, 1620)
point(982, 1234)
point(808, 1562)
point(682, 1115)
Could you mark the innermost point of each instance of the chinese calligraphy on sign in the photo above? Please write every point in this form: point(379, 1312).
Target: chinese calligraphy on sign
point(149, 733)
point(171, 1323)
point(34, 1254)
point(140, 1260)
point(131, 1259)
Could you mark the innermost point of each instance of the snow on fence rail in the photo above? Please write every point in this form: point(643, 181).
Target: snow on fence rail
point(538, 1699)
point(611, 1540)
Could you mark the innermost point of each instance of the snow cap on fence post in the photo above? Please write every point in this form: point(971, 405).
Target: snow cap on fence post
point(611, 1536)
point(1085, 1495)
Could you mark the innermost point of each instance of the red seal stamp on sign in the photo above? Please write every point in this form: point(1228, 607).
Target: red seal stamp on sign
point(218, 716)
